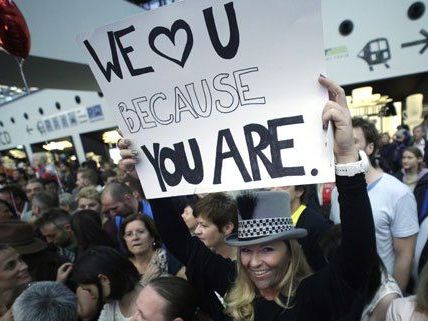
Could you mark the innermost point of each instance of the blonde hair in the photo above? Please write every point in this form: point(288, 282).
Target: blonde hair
point(422, 292)
point(89, 192)
point(239, 299)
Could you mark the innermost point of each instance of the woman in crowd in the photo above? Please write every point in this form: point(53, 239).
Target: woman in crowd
point(107, 278)
point(86, 226)
point(168, 299)
point(415, 175)
point(412, 308)
point(272, 280)
point(143, 245)
point(13, 277)
point(88, 198)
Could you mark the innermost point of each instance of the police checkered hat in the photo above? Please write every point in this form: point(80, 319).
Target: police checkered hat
point(264, 217)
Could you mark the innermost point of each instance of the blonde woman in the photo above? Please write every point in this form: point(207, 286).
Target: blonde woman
point(272, 280)
point(88, 198)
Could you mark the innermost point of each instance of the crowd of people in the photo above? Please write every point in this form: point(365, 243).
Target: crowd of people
point(85, 244)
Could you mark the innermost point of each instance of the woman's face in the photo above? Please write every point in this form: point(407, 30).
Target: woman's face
point(410, 161)
point(13, 271)
point(266, 264)
point(89, 204)
point(208, 232)
point(137, 237)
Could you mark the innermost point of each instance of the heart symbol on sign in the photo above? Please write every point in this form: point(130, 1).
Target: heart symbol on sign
point(176, 26)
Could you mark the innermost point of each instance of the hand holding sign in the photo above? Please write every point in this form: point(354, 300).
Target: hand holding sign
point(336, 110)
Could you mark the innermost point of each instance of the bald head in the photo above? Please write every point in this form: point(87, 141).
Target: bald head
point(117, 199)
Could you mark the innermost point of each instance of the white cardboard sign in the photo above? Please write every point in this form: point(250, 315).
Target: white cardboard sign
point(218, 95)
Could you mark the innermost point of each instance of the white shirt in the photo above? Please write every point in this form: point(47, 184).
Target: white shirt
point(111, 312)
point(394, 213)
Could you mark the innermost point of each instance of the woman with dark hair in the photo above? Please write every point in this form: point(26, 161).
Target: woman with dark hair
point(108, 278)
point(86, 226)
point(143, 244)
point(168, 299)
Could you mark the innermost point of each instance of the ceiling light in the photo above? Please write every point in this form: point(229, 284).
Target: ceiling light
point(111, 137)
point(16, 153)
point(61, 145)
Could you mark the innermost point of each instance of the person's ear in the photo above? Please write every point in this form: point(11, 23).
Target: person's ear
point(67, 227)
point(369, 149)
point(128, 197)
point(228, 229)
point(299, 192)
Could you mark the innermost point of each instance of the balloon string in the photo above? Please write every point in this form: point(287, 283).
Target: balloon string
point(21, 69)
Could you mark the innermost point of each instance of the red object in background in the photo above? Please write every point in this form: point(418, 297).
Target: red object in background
point(14, 33)
point(326, 193)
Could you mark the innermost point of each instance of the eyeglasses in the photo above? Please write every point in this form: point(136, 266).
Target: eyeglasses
point(130, 234)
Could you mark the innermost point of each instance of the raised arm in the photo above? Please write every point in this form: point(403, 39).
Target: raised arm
point(358, 250)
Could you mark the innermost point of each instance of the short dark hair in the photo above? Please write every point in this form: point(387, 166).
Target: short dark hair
point(106, 174)
point(46, 200)
point(89, 174)
point(219, 208)
point(56, 216)
point(182, 300)
point(148, 223)
point(371, 135)
point(120, 271)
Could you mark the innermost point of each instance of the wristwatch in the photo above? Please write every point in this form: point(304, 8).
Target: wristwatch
point(351, 169)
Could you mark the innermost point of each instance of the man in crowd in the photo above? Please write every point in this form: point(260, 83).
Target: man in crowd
point(421, 142)
point(87, 177)
point(43, 202)
point(117, 201)
point(33, 186)
point(55, 226)
point(393, 205)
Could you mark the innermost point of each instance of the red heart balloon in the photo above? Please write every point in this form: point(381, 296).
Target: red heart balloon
point(14, 33)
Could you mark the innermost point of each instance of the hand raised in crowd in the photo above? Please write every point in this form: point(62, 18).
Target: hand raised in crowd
point(129, 156)
point(63, 272)
point(336, 110)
